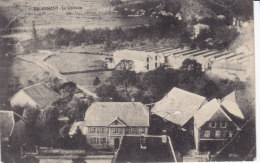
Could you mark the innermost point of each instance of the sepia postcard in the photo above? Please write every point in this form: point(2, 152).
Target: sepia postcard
point(117, 81)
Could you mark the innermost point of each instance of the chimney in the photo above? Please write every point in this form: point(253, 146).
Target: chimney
point(143, 142)
point(164, 136)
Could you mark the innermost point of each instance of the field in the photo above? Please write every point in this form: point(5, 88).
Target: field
point(26, 71)
point(72, 63)
point(86, 79)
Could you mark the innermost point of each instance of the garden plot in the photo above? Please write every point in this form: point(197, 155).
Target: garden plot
point(86, 79)
point(76, 62)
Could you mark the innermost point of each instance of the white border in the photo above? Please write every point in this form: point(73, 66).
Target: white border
point(257, 69)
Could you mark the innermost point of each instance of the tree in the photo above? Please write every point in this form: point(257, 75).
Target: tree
point(156, 83)
point(77, 109)
point(47, 127)
point(125, 65)
point(49, 116)
point(30, 115)
point(191, 65)
point(67, 89)
point(79, 140)
point(107, 92)
point(96, 81)
point(124, 78)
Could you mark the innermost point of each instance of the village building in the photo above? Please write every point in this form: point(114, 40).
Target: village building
point(145, 149)
point(106, 122)
point(143, 61)
point(178, 107)
point(213, 127)
point(36, 96)
point(225, 64)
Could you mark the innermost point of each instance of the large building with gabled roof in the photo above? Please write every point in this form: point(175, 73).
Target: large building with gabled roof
point(106, 122)
point(213, 126)
point(178, 106)
point(143, 61)
point(37, 96)
point(225, 64)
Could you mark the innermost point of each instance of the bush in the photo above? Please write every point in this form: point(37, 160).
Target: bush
point(96, 81)
point(107, 93)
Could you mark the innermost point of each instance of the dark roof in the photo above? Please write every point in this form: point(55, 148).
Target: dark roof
point(156, 151)
point(104, 113)
point(41, 94)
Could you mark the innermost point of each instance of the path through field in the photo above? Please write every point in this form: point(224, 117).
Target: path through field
point(39, 60)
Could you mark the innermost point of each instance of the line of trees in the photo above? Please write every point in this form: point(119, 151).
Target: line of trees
point(174, 33)
point(152, 86)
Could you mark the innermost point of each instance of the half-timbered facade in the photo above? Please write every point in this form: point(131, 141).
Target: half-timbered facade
point(212, 126)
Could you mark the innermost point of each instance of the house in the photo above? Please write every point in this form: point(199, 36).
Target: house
point(37, 96)
point(143, 61)
point(106, 122)
point(145, 149)
point(178, 107)
point(213, 127)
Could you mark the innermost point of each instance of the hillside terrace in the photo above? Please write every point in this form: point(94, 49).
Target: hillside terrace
point(187, 52)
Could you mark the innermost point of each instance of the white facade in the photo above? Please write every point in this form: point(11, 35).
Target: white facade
point(22, 99)
point(143, 61)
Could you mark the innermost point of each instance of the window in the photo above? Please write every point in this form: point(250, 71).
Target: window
point(115, 122)
point(117, 131)
point(217, 134)
point(156, 65)
point(92, 141)
point(102, 140)
point(147, 66)
point(225, 134)
point(212, 124)
point(103, 130)
point(156, 58)
point(135, 131)
point(147, 59)
point(92, 130)
point(98, 130)
point(142, 130)
point(128, 131)
point(207, 134)
point(230, 134)
point(223, 124)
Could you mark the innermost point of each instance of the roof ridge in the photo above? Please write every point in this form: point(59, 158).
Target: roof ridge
point(185, 91)
point(24, 89)
point(218, 106)
point(228, 116)
point(33, 85)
